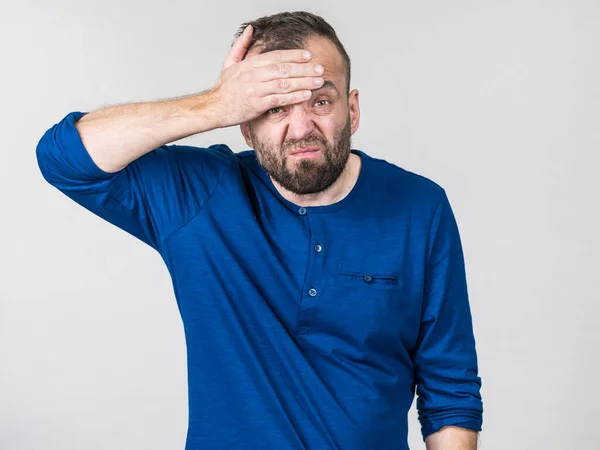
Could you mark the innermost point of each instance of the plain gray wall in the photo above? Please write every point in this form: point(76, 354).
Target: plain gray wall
point(499, 102)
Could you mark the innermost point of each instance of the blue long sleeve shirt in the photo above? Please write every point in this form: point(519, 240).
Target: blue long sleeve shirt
point(305, 327)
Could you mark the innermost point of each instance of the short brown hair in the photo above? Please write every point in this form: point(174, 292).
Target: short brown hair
point(291, 30)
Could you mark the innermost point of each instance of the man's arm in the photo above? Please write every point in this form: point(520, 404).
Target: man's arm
point(452, 438)
point(117, 135)
point(445, 359)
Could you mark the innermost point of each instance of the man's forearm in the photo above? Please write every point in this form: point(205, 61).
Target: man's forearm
point(452, 438)
point(117, 135)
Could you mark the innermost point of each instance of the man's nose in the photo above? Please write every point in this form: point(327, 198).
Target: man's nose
point(301, 122)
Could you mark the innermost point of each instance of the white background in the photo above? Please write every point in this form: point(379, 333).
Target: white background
point(499, 102)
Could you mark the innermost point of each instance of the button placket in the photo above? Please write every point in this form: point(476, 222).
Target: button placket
point(313, 289)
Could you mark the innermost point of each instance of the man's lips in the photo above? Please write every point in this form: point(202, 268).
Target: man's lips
point(300, 151)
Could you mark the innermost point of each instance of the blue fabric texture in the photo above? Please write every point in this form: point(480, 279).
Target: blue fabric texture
point(306, 328)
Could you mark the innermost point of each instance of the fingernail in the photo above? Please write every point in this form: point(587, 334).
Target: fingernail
point(306, 55)
point(319, 69)
point(318, 80)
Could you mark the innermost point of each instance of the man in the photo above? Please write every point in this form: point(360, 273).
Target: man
point(318, 286)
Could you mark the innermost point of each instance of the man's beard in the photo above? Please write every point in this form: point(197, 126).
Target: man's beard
point(306, 176)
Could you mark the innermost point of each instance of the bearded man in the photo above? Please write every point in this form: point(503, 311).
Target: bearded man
point(319, 287)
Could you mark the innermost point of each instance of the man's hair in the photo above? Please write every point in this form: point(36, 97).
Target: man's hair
point(291, 30)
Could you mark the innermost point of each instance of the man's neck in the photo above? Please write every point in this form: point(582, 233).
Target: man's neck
point(334, 193)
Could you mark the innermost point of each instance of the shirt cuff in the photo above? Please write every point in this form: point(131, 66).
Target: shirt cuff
point(470, 423)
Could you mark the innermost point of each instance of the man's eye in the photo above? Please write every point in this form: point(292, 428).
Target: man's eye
point(322, 103)
point(274, 110)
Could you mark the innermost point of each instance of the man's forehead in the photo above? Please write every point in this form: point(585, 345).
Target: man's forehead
point(325, 52)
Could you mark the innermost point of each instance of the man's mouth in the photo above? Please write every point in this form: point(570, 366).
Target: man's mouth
point(305, 151)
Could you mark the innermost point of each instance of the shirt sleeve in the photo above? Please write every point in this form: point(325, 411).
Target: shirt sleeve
point(446, 371)
point(150, 198)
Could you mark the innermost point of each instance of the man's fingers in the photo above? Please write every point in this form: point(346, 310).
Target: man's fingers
point(288, 70)
point(279, 56)
point(289, 85)
point(239, 48)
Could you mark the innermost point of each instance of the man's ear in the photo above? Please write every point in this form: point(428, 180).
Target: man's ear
point(354, 108)
point(245, 129)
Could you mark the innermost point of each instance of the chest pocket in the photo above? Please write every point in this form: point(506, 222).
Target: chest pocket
point(362, 304)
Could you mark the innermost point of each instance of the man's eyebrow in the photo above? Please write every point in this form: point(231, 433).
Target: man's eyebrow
point(328, 84)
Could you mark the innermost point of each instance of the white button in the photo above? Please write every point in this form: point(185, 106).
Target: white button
point(312, 292)
point(318, 248)
point(302, 211)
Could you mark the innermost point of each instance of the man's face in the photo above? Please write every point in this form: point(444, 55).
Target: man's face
point(305, 147)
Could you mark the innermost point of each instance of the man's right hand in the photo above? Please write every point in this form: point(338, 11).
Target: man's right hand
point(249, 87)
